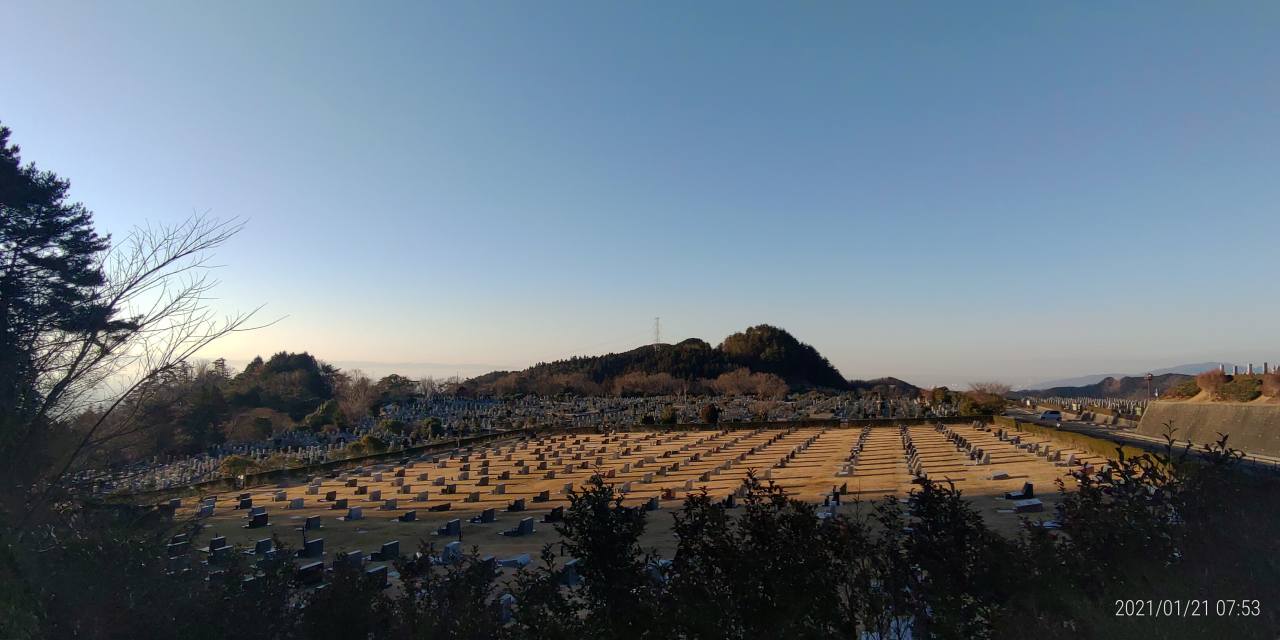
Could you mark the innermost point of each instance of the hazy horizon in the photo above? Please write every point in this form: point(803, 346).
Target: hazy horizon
point(940, 193)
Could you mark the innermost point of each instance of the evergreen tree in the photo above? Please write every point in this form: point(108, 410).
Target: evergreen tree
point(49, 280)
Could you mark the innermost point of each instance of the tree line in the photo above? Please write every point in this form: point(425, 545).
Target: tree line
point(690, 366)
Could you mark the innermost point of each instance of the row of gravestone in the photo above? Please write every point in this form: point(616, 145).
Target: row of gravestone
point(258, 517)
point(976, 454)
point(849, 466)
point(801, 448)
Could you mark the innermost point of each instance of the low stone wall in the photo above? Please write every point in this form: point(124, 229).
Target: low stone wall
point(1252, 428)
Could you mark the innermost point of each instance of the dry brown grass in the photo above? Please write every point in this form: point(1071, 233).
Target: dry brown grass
point(1212, 381)
point(1271, 385)
point(882, 471)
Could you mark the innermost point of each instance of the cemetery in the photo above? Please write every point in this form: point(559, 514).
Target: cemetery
point(437, 398)
point(498, 496)
point(472, 417)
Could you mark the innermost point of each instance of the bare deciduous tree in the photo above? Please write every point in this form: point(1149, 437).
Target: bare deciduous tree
point(156, 294)
point(992, 387)
point(742, 381)
point(355, 394)
point(428, 387)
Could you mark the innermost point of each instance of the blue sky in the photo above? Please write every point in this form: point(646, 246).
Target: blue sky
point(939, 191)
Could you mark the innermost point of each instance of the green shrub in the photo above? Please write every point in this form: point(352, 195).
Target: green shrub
point(373, 444)
point(668, 415)
point(327, 414)
point(391, 425)
point(1186, 389)
point(237, 465)
point(1240, 389)
point(430, 427)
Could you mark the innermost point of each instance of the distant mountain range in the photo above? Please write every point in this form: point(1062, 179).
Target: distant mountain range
point(761, 349)
point(1083, 381)
point(1127, 387)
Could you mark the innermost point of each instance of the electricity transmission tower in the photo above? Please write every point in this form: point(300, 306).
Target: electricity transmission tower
point(657, 331)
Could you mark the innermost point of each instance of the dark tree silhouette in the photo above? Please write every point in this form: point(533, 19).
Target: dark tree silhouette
point(50, 273)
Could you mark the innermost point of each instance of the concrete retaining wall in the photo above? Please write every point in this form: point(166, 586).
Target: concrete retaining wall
point(1253, 428)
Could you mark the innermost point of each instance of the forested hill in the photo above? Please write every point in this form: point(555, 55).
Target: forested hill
point(761, 349)
point(1128, 387)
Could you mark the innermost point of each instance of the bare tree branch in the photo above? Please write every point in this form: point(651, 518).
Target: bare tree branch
point(157, 287)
